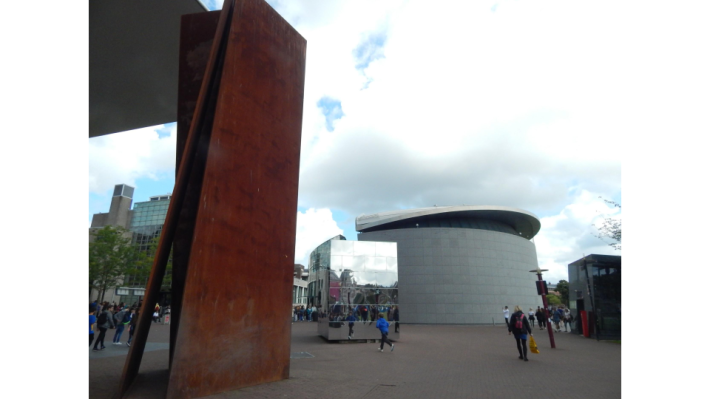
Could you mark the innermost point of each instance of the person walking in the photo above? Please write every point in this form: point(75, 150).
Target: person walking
point(541, 319)
point(351, 323)
point(92, 322)
point(556, 320)
point(531, 317)
point(132, 325)
point(104, 323)
point(118, 319)
point(520, 328)
point(383, 326)
point(568, 320)
point(396, 319)
point(506, 314)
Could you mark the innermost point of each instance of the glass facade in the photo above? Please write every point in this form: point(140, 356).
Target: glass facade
point(146, 225)
point(595, 288)
point(353, 276)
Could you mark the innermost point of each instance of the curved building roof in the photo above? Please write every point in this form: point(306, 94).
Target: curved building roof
point(486, 217)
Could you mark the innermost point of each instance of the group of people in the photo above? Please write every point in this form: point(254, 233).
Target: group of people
point(520, 326)
point(302, 313)
point(559, 315)
point(106, 316)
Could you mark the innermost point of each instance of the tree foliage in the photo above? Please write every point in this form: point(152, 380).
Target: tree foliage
point(611, 228)
point(111, 255)
point(563, 289)
point(140, 270)
point(553, 300)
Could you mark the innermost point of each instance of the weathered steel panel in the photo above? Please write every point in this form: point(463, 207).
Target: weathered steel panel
point(195, 143)
point(196, 37)
point(234, 326)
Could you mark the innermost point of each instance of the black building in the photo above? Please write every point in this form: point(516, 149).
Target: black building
point(595, 295)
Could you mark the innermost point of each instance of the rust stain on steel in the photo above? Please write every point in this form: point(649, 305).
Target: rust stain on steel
point(234, 328)
point(202, 116)
point(197, 33)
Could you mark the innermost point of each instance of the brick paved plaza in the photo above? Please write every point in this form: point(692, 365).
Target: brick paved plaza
point(428, 362)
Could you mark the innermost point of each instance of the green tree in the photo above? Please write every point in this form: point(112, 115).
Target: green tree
point(111, 255)
point(139, 272)
point(611, 228)
point(563, 289)
point(553, 300)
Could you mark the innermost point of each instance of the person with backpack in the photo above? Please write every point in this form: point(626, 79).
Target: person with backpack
point(121, 319)
point(104, 323)
point(383, 326)
point(520, 328)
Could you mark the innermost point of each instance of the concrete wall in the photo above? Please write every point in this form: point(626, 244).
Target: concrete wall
point(461, 276)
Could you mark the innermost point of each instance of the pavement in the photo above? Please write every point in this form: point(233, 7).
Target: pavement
point(429, 361)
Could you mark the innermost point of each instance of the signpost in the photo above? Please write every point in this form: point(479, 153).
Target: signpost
point(542, 290)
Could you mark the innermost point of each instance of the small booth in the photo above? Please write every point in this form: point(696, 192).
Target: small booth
point(357, 278)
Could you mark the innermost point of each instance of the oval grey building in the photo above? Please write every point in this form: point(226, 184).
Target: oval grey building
point(459, 264)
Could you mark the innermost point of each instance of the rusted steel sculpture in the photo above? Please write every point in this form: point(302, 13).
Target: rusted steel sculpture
point(232, 217)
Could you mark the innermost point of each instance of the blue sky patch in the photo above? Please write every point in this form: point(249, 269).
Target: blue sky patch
point(164, 132)
point(370, 50)
point(332, 110)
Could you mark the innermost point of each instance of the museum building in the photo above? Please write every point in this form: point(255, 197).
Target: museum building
point(459, 264)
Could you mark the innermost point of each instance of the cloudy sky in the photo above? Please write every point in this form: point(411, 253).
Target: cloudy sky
point(408, 104)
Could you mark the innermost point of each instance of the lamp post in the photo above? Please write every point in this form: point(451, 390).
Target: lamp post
point(539, 271)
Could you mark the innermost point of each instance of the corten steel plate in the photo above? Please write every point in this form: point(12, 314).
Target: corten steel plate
point(195, 150)
point(235, 324)
point(196, 37)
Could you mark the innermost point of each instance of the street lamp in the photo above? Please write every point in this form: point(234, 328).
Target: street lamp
point(539, 271)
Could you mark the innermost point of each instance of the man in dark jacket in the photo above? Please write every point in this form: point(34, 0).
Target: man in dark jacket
point(520, 328)
point(541, 318)
point(105, 321)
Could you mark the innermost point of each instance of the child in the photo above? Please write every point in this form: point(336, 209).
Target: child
point(351, 322)
point(383, 326)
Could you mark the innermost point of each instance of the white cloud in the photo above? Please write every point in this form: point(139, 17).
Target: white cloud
point(313, 227)
point(571, 234)
point(128, 156)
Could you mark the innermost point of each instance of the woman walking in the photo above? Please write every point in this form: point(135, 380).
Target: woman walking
point(531, 317)
point(568, 320)
point(520, 328)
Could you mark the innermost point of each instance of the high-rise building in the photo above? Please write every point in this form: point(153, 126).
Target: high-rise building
point(144, 222)
point(119, 213)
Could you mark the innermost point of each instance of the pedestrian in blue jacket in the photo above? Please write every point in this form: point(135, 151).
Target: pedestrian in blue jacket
point(351, 322)
point(383, 326)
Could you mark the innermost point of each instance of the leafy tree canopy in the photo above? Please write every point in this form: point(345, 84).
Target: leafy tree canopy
point(110, 256)
point(553, 300)
point(563, 289)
